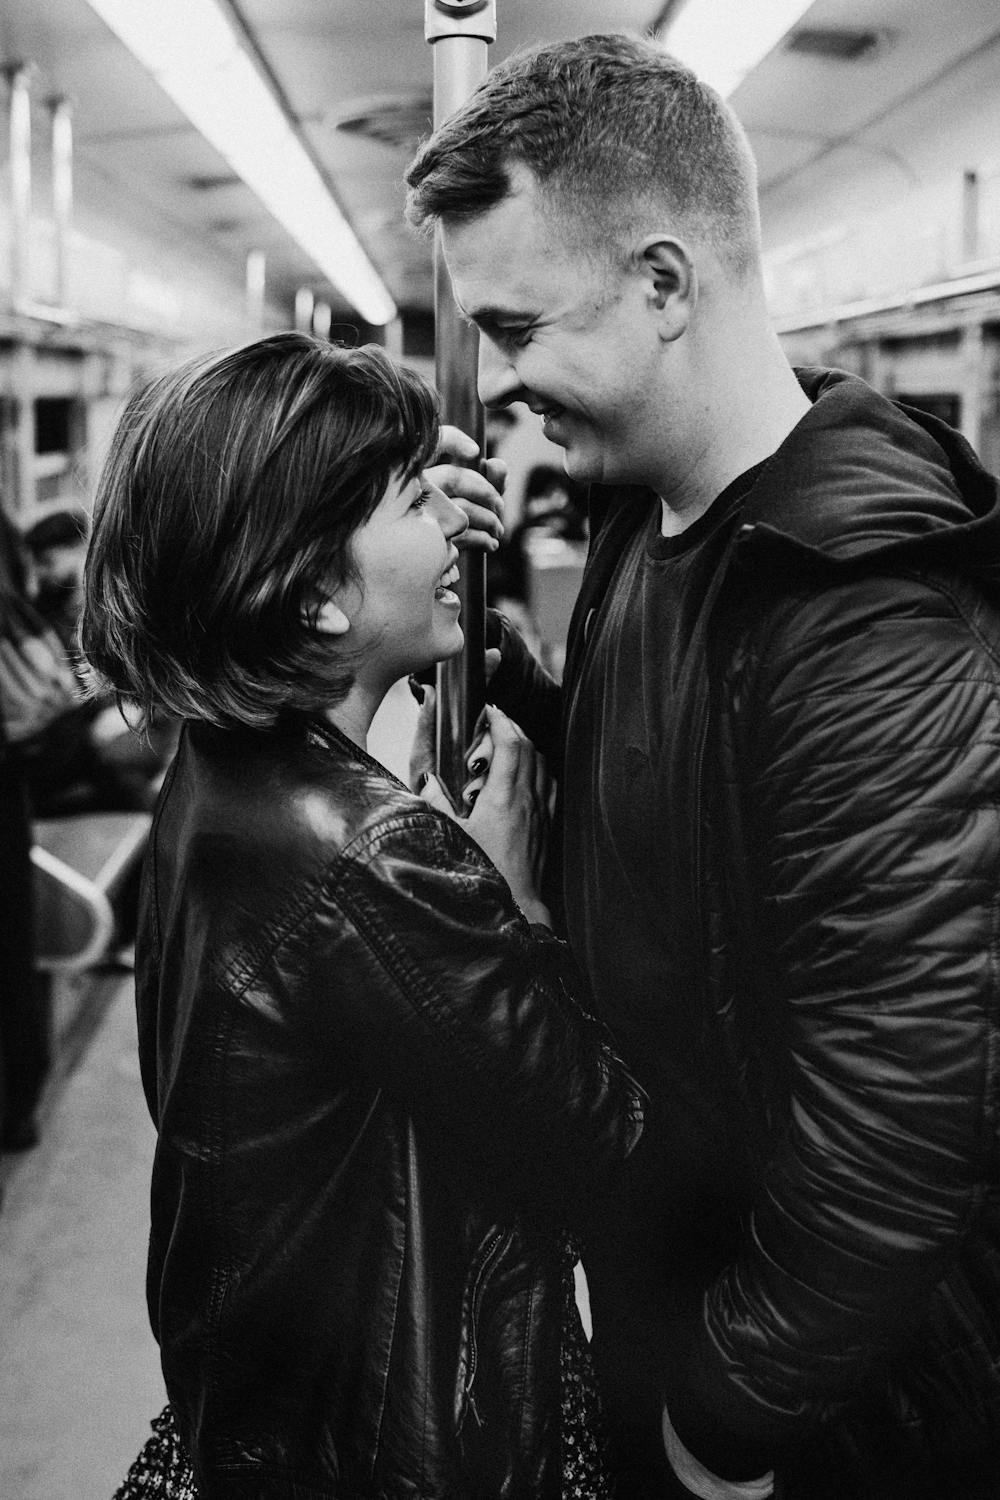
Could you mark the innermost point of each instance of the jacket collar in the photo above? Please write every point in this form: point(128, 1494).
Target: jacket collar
point(861, 476)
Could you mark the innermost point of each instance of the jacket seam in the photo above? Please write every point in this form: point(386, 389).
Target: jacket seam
point(302, 901)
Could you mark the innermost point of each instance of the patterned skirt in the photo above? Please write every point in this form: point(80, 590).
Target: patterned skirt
point(162, 1470)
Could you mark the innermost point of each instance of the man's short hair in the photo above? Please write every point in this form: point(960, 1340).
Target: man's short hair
point(224, 515)
point(615, 131)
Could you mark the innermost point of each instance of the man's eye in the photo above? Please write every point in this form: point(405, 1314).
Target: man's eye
point(517, 335)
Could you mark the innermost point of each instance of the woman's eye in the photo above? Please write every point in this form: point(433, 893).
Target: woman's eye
point(421, 498)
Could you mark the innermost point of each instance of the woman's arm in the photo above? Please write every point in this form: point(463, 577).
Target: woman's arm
point(444, 996)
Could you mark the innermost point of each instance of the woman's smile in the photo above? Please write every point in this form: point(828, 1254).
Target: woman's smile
point(444, 592)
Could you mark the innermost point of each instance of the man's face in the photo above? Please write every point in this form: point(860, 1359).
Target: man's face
point(569, 336)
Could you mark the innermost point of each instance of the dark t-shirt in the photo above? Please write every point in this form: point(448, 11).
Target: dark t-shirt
point(626, 917)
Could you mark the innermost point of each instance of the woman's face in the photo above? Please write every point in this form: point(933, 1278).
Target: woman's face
point(403, 613)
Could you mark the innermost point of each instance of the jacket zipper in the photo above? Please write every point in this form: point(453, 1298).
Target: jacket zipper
point(496, 1246)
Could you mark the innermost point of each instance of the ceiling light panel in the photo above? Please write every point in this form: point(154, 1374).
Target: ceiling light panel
point(193, 52)
point(724, 40)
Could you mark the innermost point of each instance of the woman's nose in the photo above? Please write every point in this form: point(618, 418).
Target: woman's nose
point(451, 517)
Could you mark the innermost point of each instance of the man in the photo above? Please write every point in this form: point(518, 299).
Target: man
point(780, 785)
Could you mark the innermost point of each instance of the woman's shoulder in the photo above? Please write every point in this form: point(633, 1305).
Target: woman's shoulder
point(302, 799)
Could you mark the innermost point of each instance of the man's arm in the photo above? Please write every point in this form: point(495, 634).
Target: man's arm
point(470, 1018)
point(870, 785)
point(525, 691)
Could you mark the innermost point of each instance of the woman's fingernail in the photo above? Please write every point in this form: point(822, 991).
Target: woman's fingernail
point(470, 797)
point(477, 767)
point(417, 689)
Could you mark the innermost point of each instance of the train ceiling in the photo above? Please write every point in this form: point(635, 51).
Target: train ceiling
point(848, 81)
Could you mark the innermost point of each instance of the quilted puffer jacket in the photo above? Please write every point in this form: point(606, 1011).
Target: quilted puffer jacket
point(835, 842)
point(376, 1101)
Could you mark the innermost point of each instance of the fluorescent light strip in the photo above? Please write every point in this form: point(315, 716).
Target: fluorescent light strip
point(192, 51)
point(724, 40)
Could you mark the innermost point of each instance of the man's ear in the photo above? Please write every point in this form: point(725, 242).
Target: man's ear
point(330, 619)
point(672, 281)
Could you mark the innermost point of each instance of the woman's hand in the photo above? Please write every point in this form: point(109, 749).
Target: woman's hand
point(508, 803)
point(425, 735)
point(478, 490)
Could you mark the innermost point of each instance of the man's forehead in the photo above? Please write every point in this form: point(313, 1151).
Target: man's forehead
point(502, 263)
point(488, 287)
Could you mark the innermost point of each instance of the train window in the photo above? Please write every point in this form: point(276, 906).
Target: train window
point(56, 438)
point(53, 418)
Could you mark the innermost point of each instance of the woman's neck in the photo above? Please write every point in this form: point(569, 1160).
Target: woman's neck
point(353, 715)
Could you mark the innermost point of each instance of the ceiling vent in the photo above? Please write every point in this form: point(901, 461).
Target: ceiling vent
point(835, 43)
point(397, 120)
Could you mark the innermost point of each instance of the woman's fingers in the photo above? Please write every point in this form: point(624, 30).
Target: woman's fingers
point(422, 749)
point(476, 484)
point(511, 753)
point(456, 446)
point(453, 443)
point(478, 497)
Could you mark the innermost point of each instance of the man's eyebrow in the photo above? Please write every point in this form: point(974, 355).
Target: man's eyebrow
point(487, 313)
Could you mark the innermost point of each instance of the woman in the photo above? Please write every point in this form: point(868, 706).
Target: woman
point(377, 1099)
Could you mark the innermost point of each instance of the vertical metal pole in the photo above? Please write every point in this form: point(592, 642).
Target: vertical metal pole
point(19, 139)
point(62, 193)
point(305, 303)
point(460, 31)
point(256, 287)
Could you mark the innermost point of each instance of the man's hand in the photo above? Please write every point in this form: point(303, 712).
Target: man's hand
point(478, 490)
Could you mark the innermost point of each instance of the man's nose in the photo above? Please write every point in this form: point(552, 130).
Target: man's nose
point(498, 381)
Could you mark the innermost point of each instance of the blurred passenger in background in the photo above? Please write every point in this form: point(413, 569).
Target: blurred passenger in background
point(36, 687)
point(88, 759)
point(554, 506)
point(779, 724)
point(378, 1099)
point(57, 545)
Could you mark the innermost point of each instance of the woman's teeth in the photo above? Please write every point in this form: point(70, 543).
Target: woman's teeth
point(448, 579)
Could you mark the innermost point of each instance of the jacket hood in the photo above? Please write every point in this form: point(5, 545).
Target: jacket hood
point(862, 478)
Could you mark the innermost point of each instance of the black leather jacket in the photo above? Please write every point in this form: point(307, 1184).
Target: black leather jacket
point(376, 1098)
point(835, 863)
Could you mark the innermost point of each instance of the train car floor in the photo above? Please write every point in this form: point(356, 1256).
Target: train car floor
point(79, 1372)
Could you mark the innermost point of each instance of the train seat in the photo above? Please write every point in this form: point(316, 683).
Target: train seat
point(81, 866)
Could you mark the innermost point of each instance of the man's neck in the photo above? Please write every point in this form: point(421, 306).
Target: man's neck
point(754, 404)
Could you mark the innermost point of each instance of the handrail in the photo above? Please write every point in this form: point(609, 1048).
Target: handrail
point(93, 898)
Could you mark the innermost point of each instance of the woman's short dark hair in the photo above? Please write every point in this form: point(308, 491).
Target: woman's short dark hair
point(224, 515)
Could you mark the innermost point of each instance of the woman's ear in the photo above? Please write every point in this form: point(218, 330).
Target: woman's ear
point(330, 619)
